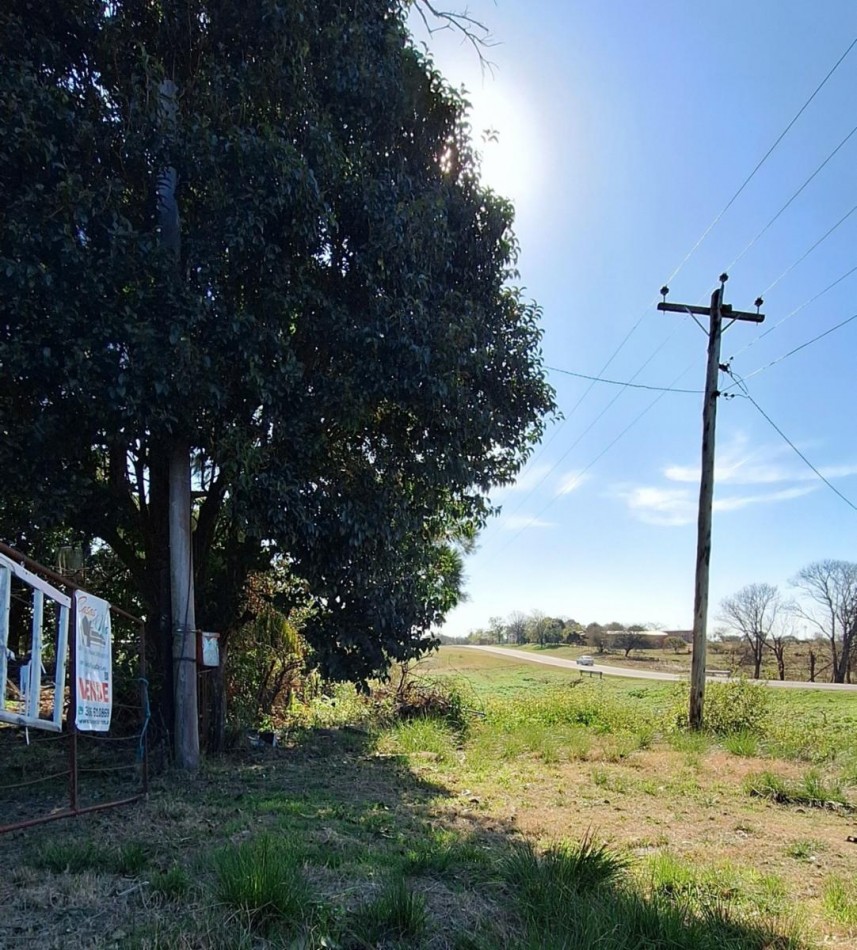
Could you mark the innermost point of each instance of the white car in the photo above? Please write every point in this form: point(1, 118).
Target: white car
point(585, 660)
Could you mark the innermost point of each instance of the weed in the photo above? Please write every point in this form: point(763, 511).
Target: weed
point(397, 913)
point(840, 901)
point(263, 879)
point(805, 850)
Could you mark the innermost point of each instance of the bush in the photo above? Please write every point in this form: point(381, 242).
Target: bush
point(734, 707)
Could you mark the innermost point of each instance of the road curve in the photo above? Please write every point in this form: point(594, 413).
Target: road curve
point(647, 674)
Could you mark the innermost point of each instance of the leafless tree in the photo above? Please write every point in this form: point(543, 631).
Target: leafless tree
point(831, 589)
point(516, 627)
point(752, 613)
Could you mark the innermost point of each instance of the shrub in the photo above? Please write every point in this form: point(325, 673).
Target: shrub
point(738, 706)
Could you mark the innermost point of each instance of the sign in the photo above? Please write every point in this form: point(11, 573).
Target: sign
point(94, 663)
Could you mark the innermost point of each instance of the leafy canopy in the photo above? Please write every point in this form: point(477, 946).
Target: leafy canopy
point(341, 346)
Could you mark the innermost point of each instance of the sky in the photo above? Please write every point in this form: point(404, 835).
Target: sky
point(624, 131)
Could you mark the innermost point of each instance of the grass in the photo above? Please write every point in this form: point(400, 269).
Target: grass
point(422, 833)
point(811, 790)
point(840, 901)
point(397, 913)
point(263, 880)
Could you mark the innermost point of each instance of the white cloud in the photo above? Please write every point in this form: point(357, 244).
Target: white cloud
point(679, 506)
point(520, 522)
point(736, 464)
point(571, 481)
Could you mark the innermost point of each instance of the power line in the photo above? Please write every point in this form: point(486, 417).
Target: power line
point(740, 382)
point(623, 384)
point(806, 254)
point(763, 159)
point(589, 428)
point(672, 276)
point(793, 313)
point(797, 349)
point(789, 202)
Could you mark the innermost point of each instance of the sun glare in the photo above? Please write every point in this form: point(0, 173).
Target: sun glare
point(506, 135)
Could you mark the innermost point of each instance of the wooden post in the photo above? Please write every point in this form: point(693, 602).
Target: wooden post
point(706, 499)
point(183, 611)
point(716, 312)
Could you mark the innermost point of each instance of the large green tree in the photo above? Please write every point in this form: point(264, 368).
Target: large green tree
point(341, 346)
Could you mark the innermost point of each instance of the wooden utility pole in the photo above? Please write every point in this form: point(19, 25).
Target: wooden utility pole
point(716, 312)
point(186, 722)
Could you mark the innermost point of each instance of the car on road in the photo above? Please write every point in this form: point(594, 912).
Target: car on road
point(585, 660)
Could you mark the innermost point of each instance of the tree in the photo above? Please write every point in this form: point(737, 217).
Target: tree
point(832, 587)
point(630, 640)
point(340, 347)
point(676, 644)
point(516, 627)
point(752, 613)
point(596, 636)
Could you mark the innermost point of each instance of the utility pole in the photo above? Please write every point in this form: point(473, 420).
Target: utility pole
point(716, 312)
point(186, 722)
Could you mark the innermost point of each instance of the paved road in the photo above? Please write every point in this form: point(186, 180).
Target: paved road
point(527, 657)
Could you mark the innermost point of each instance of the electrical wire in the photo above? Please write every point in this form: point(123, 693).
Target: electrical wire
point(797, 349)
point(789, 202)
point(591, 425)
point(762, 160)
point(741, 383)
point(806, 254)
point(793, 313)
point(617, 382)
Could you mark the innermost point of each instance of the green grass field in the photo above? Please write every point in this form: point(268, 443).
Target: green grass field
point(537, 810)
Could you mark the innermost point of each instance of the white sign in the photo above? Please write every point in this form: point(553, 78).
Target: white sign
point(94, 666)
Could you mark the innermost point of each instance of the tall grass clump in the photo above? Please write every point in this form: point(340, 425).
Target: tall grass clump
point(263, 880)
point(397, 914)
point(840, 901)
point(580, 896)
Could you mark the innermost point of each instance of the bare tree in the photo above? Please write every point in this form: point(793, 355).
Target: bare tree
point(832, 587)
point(516, 627)
point(752, 613)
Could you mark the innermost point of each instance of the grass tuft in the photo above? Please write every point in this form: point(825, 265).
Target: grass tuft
point(840, 901)
point(172, 884)
point(263, 879)
point(397, 913)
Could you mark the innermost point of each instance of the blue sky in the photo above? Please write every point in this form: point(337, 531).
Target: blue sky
point(624, 129)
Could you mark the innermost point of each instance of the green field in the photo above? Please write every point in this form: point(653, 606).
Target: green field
point(525, 808)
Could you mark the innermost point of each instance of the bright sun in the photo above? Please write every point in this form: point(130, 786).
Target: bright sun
point(505, 134)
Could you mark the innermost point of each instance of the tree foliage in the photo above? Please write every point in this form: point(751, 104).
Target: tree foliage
point(341, 346)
